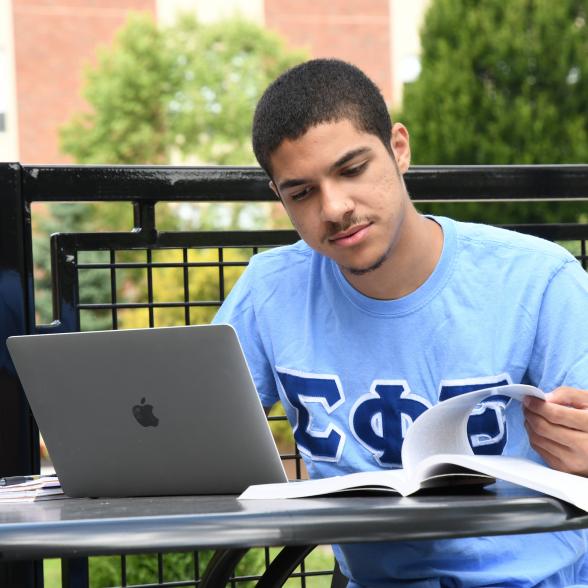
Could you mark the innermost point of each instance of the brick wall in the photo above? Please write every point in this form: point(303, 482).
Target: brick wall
point(53, 41)
point(357, 31)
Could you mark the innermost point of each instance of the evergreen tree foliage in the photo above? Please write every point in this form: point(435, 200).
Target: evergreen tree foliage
point(501, 83)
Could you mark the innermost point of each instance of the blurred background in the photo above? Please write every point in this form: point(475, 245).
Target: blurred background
point(46, 47)
point(176, 82)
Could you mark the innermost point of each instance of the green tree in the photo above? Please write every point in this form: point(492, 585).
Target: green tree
point(502, 83)
point(186, 90)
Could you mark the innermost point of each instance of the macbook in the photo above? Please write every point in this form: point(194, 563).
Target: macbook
point(148, 412)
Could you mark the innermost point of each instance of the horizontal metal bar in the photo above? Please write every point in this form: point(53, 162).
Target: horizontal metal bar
point(169, 584)
point(150, 183)
point(553, 232)
point(174, 240)
point(123, 305)
point(52, 183)
point(305, 574)
point(161, 264)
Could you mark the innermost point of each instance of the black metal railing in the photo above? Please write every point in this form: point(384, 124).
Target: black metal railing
point(210, 258)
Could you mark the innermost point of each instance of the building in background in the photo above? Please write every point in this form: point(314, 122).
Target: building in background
point(45, 45)
point(48, 43)
point(8, 121)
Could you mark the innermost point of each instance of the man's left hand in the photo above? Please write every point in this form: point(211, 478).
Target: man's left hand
point(558, 429)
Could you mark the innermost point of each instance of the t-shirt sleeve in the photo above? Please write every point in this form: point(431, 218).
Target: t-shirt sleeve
point(560, 355)
point(238, 310)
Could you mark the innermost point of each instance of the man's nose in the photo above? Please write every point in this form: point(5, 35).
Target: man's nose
point(336, 203)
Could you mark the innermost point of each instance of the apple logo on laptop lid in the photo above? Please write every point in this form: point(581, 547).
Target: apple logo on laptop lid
point(144, 414)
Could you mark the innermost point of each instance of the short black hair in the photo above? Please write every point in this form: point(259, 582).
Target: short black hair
point(312, 93)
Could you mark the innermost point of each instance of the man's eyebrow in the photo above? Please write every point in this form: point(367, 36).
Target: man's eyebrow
point(349, 156)
point(291, 183)
point(341, 161)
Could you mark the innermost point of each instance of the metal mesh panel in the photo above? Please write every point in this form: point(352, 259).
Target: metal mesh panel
point(163, 287)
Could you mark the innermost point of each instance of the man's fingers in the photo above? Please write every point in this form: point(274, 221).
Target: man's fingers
point(569, 397)
point(551, 459)
point(562, 448)
point(571, 415)
point(557, 456)
point(556, 434)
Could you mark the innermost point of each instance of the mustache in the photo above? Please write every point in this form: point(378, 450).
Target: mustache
point(334, 228)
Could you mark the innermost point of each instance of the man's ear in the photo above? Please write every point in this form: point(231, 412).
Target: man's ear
point(274, 189)
point(400, 143)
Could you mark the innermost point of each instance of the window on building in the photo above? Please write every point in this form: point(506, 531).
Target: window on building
point(410, 68)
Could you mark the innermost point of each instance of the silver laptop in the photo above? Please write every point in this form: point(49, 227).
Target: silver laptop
point(148, 412)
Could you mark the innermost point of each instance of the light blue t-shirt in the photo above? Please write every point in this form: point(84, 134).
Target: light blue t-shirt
point(353, 373)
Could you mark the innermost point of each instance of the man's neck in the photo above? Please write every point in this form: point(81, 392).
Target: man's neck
point(412, 261)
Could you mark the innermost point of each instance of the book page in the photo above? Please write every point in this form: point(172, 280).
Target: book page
point(443, 427)
point(392, 480)
point(524, 472)
point(41, 488)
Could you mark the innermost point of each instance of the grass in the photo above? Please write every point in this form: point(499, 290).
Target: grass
point(52, 573)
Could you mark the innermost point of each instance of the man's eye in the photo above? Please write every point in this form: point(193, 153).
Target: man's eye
point(301, 194)
point(354, 170)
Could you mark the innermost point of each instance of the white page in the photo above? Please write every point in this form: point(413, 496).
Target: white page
point(523, 472)
point(443, 427)
point(393, 479)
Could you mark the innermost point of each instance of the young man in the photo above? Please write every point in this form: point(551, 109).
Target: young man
point(381, 312)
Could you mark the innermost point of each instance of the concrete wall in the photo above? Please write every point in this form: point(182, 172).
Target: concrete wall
point(210, 10)
point(357, 31)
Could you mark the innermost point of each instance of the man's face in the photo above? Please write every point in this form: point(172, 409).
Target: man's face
point(344, 193)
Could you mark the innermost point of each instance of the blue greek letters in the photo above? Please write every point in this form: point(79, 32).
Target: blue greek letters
point(379, 419)
point(324, 444)
point(486, 426)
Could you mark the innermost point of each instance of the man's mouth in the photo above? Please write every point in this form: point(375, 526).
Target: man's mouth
point(350, 236)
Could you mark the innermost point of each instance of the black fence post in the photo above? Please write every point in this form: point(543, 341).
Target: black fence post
point(18, 432)
point(75, 572)
point(19, 438)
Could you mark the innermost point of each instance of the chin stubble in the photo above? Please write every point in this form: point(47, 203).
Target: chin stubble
point(355, 271)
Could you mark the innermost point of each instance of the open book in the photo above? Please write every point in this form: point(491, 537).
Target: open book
point(436, 452)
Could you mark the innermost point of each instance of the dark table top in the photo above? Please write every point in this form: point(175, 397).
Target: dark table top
point(79, 527)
